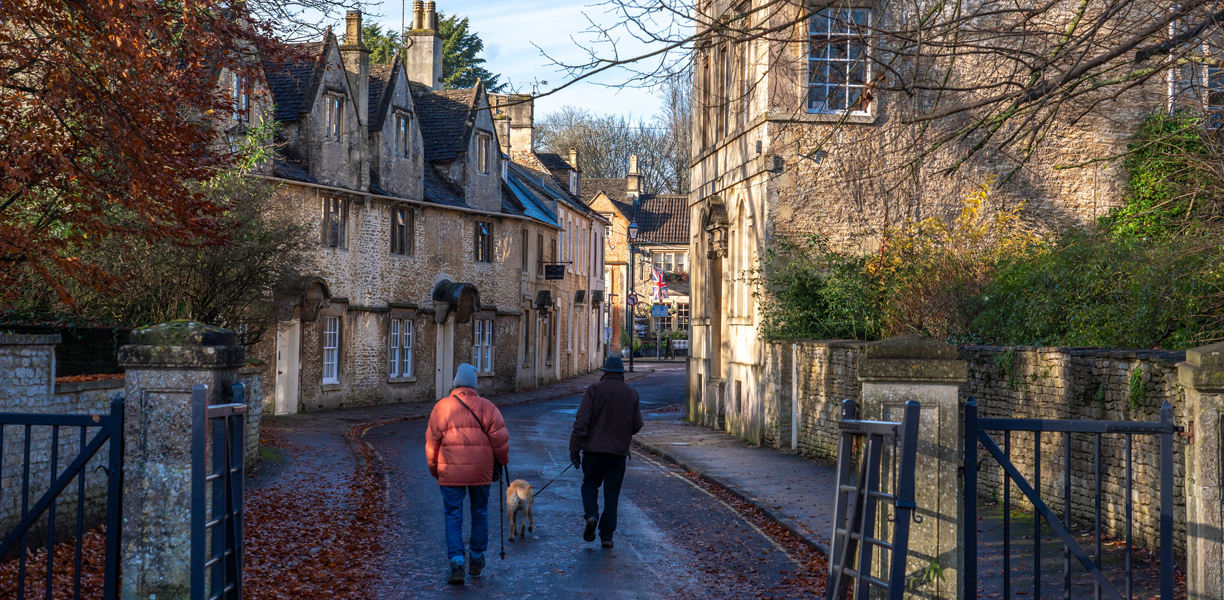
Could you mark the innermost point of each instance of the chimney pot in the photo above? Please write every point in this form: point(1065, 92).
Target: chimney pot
point(352, 29)
point(418, 14)
point(431, 15)
point(633, 183)
point(574, 158)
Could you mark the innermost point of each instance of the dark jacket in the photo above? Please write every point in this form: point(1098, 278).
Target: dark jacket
point(607, 418)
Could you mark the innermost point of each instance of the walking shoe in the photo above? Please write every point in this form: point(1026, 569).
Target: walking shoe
point(588, 534)
point(607, 543)
point(478, 563)
point(456, 576)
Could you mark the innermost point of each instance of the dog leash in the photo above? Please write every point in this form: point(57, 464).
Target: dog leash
point(553, 479)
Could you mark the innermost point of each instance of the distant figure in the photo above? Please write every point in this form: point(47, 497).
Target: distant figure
point(466, 435)
point(607, 419)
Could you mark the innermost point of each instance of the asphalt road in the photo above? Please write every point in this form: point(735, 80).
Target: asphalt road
point(675, 539)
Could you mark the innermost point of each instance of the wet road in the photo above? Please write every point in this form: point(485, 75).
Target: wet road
point(675, 538)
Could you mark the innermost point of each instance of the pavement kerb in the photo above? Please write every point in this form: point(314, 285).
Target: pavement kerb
point(736, 491)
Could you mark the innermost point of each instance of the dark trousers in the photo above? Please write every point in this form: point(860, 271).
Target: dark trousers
point(607, 470)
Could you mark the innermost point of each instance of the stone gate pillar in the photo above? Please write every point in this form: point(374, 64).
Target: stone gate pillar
point(912, 367)
point(1203, 377)
point(163, 363)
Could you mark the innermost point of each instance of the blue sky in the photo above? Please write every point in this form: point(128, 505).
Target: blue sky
point(510, 28)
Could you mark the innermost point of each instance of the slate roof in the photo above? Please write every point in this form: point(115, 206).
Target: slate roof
point(589, 187)
point(287, 168)
point(444, 118)
point(294, 81)
point(663, 219)
point(553, 161)
point(545, 183)
point(439, 190)
point(382, 77)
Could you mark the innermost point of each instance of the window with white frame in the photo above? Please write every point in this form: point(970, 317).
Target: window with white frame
point(838, 65)
point(482, 351)
point(682, 316)
point(242, 98)
point(669, 262)
point(1215, 97)
point(401, 344)
point(331, 349)
point(582, 329)
point(569, 330)
point(402, 141)
point(335, 221)
point(335, 116)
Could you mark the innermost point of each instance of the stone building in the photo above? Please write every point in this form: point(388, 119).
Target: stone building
point(662, 243)
point(419, 242)
point(787, 141)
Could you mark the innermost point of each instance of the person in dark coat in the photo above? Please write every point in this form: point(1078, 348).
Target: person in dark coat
point(607, 419)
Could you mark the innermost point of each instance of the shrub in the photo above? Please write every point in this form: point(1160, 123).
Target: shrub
point(807, 291)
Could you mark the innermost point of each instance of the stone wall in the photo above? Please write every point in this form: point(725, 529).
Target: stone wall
point(1025, 382)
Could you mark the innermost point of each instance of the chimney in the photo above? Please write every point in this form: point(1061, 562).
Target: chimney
point(423, 57)
point(356, 59)
point(633, 183)
point(418, 14)
point(521, 108)
point(575, 173)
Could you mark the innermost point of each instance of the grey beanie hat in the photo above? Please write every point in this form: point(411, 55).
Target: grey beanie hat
point(465, 376)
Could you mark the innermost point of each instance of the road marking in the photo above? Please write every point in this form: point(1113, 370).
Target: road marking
point(670, 471)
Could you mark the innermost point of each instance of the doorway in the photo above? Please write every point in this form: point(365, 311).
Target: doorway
point(288, 347)
point(445, 369)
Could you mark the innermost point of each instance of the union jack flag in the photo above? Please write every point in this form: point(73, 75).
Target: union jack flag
point(660, 285)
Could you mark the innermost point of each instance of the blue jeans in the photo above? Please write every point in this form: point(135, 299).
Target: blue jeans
point(452, 507)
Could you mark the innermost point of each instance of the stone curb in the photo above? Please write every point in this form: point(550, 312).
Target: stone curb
point(738, 492)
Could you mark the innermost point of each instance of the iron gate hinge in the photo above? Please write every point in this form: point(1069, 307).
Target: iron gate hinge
point(1187, 432)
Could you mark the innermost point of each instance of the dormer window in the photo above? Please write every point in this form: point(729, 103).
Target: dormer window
point(402, 147)
point(242, 99)
point(335, 116)
point(482, 153)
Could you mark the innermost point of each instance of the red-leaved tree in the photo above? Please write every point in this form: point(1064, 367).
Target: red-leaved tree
point(105, 123)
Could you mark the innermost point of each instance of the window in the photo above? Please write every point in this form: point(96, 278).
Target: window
point(335, 117)
point(482, 153)
point(1215, 97)
point(401, 231)
point(402, 141)
point(682, 317)
point(482, 352)
point(524, 250)
point(666, 262)
point(682, 262)
point(242, 99)
point(484, 241)
point(569, 330)
point(335, 221)
point(552, 250)
point(526, 336)
point(548, 339)
point(838, 68)
point(331, 349)
point(582, 330)
point(401, 347)
point(540, 253)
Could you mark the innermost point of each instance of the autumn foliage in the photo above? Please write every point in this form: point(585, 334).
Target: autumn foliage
point(105, 110)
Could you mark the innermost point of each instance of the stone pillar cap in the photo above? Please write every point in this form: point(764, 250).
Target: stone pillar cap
point(184, 344)
point(910, 346)
point(1211, 356)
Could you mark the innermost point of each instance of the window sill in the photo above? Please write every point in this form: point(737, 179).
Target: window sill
point(401, 380)
point(807, 117)
point(483, 374)
point(332, 387)
point(739, 321)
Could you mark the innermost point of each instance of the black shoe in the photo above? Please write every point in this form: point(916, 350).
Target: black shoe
point(607, 543)
point(456, 576)
point(588, 534)
point(475, 566)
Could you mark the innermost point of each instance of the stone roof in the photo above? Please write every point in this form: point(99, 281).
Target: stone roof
point(590, 187)
point(382, 77)
point(554, 162)
point(663, 219)
point(444, 118)
point(294, 80)
point(439, 190)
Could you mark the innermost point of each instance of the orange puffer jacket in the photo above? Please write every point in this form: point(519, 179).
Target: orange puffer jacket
point(458, 451)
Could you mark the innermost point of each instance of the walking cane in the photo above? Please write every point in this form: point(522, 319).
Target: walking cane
point(501, 500)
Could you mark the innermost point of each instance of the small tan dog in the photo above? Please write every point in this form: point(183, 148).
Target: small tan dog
point(518, 500)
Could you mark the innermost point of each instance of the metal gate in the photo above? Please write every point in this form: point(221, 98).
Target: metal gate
point(98, 429)
point(216, 495)
point(857, 509)
point(977, 429)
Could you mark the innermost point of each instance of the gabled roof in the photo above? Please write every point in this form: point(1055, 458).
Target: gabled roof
point(554, 162)
point(614, 189)
point(439, 190)
point(445, 118)
point(545, 183)
point(294, 81)
point(663, 219)
point(527, 196)
point(383, 79)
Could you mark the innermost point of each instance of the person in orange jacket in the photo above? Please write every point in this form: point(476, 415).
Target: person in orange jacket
point(466, 435)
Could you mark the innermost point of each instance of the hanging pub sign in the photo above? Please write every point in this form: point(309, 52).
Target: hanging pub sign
point(552, 272)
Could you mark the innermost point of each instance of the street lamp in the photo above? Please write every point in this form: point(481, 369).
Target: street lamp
point(633, 233)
